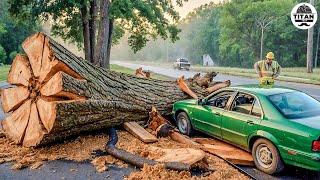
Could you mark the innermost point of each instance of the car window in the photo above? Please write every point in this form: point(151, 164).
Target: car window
point(183, 60)
point(295, 105)
point(256, 109)
point(243, 103)
point(220, 99)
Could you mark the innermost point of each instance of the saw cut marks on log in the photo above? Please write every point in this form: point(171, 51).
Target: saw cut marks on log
point(139, 132)
point(67, 95)
point(226, 151)
point(20, 73)
point(184, 155)
point(12, 98)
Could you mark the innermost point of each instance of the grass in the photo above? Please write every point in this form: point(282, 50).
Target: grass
point(287, 74)
point(4, 70)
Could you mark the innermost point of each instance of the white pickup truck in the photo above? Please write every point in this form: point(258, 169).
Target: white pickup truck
point(182, 63)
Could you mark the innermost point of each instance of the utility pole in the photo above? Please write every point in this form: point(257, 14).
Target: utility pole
point(310, 47)
point(317, 50)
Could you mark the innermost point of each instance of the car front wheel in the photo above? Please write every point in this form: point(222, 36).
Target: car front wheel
point(266, 157)
point(184, 124)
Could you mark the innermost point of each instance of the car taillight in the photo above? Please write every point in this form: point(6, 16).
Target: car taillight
point(316, 146)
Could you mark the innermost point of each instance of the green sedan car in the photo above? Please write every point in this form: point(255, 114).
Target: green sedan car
point(277, 125)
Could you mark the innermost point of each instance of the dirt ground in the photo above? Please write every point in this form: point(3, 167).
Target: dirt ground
point(82, 148)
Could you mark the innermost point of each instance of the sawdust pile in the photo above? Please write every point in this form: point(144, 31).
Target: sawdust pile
point(160, 173)
point(76, 150)
point(81, 149)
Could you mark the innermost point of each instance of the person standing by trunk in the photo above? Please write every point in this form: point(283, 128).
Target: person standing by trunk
point(267, 69)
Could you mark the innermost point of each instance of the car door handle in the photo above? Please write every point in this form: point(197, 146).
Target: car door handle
point(250, 122)
point(217, 114)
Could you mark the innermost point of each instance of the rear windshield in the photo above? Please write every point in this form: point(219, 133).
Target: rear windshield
point(294, 105)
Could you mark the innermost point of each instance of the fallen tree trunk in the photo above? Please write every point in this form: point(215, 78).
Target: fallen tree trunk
point(64, 95)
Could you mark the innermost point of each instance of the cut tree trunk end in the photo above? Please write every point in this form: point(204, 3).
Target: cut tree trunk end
point(58, 95)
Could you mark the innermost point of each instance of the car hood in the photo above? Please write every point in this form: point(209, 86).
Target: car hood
point(313, 122)
point(189, 101)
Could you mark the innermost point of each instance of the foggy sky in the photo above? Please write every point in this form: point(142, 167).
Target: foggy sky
point(191, 4)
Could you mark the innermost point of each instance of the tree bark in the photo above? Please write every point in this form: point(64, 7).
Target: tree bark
point(68, 96)
point(109, 44)
point(100, 56)
point(86, 32)
point(93, 26)
point(310, 47)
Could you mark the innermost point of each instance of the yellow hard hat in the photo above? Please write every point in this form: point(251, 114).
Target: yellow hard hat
point(270, 55)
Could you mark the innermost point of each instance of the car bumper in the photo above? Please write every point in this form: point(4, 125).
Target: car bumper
point(185, 66)
point(301, 159)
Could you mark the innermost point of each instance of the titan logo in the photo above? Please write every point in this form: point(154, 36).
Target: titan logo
point(304, 16)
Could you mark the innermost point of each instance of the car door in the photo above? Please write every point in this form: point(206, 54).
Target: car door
point(241, 119)
point(207, 117)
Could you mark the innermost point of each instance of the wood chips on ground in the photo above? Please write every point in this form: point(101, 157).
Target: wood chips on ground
point(81, 149)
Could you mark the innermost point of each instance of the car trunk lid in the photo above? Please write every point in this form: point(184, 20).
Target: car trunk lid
point(313, 122)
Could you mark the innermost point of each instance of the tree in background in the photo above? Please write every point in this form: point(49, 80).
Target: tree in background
point(241, 32)
point(104, 21)
point(13, 32)
point(3, 55)
point(231, 34)
point(201, 30)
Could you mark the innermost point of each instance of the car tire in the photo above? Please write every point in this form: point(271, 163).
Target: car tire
point(184, 124)
point(266, 157)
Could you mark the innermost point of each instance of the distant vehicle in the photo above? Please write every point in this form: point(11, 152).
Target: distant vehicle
point(279, 126)
point(182, 63)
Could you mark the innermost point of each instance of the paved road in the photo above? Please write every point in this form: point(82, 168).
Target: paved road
point(63, 170)
point(313, 90)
